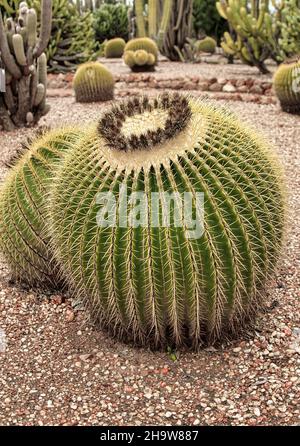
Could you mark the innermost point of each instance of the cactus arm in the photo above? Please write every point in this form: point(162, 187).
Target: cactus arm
point(18, 45)
point(153, 10)
point(167, 11)
point(140, 22)
point(31, 27)
point(45, 31)
point(7, 57)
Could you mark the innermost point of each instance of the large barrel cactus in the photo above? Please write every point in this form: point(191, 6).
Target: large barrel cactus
point(287, 85)
point(23, 210)
point(158, 281)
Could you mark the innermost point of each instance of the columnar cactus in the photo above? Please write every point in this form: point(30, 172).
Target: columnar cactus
point(155, 280)
point(93, 82)
point(23, 211)
point(22, 53)
point(287, 85)
point(114, 48)
point(169, 23)
point(256, 28)
point(143, 44)
point(140, 61)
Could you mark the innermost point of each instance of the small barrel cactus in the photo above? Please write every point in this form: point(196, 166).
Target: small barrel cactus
point(143, 43)
point(144, 277)
point(140, 60)
point(93, 82)
point(207, 45)
point(287, 85)
point(114, 48)
point(23, 211)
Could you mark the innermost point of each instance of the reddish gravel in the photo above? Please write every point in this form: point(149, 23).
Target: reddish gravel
point(57, 370)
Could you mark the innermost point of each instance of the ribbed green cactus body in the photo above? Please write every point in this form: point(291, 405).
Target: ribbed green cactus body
point(23, 211)
point(287, 85)
point(114, 48)
point(143, 44)
point(207, 45)
point(93, 82)
point(140, 61)
point(155, 284)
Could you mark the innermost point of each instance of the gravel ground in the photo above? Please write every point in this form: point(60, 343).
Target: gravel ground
point(217, 67)
point(57, 370)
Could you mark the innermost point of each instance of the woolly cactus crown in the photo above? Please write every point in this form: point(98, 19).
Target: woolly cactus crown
point(154, 284)
point(287, 85)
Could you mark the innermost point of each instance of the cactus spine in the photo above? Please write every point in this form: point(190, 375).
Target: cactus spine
point(23, 210)
point(21, 52)
point(152, 282)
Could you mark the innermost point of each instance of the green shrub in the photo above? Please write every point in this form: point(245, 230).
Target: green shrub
point(159, 283)
point(207, 21)
point(111, 21)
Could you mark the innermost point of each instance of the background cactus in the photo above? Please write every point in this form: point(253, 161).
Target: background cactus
point(287, 85)
point(23, 210)
point(114, 48)
point(73, 40)
point(93, 82)
point(23, 102)
point(140, 60)
point(259, 30)
point(155, 284)
point(143, 44)
point(207, 45)
point(169, 23)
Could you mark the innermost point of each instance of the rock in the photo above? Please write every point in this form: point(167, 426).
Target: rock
point(243, 89)
point(203, 86)
point(70, 316)
point(256, 89)
point(229, 88)
point(215, 87)
point(256, 412)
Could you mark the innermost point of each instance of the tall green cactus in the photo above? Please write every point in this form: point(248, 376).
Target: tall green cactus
point(23, 102)
point(23, 210)
point(169, 23)
point(156, 282)
point(257, 32)
point(72, 39)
